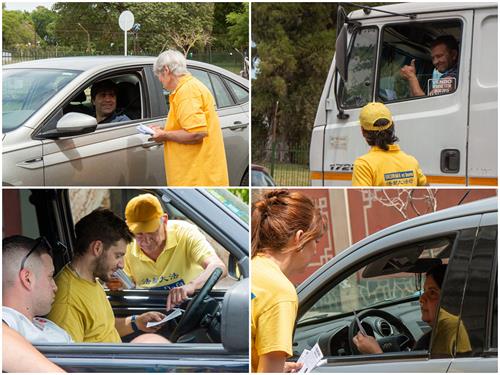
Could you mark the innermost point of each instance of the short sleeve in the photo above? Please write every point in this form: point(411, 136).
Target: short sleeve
point(361, 174)
point(421, 179)
point(199, 248)
point(127, 264)
point(275, 329)
point(190, 114)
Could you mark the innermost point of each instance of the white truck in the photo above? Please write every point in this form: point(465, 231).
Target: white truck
point(454, 135)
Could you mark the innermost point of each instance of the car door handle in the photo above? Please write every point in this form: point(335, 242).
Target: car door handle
point(150, 144)
point(238, 125)
point(31, 164)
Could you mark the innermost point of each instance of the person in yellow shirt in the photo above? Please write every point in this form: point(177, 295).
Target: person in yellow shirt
point(80, 305)
point(286, 227)
point(171, 255)
point(385, 164)
point(193, 143)
point(446, 340)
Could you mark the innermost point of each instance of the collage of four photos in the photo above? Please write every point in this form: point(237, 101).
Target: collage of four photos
point(249, 187)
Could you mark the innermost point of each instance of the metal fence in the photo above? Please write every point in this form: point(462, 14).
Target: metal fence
point(288, 165)
point(231, 61)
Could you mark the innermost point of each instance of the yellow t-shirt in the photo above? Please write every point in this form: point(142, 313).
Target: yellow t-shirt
point(445, 338)
point(186, 248)
point(387, 168)
point(192, 108)
point(274, 309)
point(82, 309)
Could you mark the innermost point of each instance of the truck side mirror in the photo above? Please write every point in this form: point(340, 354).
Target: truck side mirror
point(341, 53)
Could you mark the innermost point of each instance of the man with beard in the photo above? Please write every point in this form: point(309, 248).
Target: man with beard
point(81, 306)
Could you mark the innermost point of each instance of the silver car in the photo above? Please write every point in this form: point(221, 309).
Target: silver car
point(50, 134)
point(380, 279)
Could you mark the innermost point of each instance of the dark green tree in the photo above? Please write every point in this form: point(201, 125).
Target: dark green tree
point(44, 21)
point(17, 29)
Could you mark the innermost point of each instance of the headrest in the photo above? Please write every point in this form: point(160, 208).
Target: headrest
point(234, 330)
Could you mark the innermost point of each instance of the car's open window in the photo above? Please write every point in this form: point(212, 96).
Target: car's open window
point(389, 278)
point(84, 201)
point(128, 99)
point(410, 45)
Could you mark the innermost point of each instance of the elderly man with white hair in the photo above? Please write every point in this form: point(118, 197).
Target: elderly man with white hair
point(193, 143)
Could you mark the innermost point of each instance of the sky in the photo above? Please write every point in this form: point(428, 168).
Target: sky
point(27, 6)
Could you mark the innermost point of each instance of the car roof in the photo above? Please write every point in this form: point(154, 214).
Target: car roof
point(85, 63)
point(474, 208)
point(418, 8)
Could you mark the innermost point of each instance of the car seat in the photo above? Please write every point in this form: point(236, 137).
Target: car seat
point(80, 107)
point(128, 100)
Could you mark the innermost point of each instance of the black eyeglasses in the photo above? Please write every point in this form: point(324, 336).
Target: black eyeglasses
point(39, 241)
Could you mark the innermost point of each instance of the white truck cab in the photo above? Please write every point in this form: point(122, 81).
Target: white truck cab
point(453, 134)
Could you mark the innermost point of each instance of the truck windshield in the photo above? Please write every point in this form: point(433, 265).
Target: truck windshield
point(25, 91)
point(358, 89)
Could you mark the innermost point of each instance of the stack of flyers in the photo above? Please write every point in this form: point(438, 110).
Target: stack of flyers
point(174, 314)
point(311, 359)
point(145, 130)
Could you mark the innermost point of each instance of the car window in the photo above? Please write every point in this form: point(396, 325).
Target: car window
point(480, 275)
point(25, 91)
point(379, 281)
point(240, 93)
point(223, 97)
point(357, 91)
point(410, 45)
point(232, 202)
point(128, 101)
point(203, 77)
point(116, 200)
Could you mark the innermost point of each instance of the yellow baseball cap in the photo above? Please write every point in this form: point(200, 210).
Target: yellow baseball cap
point(371, 113)
point(143, 213)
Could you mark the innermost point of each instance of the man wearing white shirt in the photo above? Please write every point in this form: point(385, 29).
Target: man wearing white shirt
point(28, 289)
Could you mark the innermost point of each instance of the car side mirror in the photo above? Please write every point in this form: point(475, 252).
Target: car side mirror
point(72, 123)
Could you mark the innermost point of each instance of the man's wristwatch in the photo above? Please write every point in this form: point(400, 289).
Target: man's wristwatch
point(133, 323)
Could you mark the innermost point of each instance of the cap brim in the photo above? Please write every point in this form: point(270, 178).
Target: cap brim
point(144, 226)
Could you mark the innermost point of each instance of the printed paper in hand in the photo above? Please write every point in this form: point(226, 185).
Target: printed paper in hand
point(145, 130)
point(174, 314)
point(311, 359)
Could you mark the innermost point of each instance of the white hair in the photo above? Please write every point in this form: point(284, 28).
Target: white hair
point(173, 60)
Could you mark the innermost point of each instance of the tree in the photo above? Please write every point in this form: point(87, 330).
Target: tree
point(43, 20)
point(17, 29)
point(237, 31)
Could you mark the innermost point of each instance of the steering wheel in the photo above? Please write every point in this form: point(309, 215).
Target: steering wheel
point(194, 311)
point(393, 343)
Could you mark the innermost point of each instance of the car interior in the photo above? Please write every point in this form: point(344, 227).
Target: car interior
point(128, 100)
point(384, 292)
point(212, 315)
point(401, 44)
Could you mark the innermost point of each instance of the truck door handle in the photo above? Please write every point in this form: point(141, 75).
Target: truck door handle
point(450, 160)
point(238, 125)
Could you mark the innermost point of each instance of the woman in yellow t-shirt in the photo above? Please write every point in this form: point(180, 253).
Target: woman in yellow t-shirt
point(286, 227)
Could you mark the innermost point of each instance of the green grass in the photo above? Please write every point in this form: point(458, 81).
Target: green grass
point(290, 174)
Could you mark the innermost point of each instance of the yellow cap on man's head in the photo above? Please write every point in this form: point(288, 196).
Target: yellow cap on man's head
point(143, 214)
point(371, 113)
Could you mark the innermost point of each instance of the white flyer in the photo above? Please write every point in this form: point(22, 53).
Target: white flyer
point(311, 359)
point(145, 130)
point(174, 314)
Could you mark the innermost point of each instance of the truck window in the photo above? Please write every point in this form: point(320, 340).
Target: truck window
point(357, 91)
point(419, 60)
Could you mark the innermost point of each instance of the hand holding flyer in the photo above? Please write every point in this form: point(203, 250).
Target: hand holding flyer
point(311, 359)
point(145, 130)
point(174, 314)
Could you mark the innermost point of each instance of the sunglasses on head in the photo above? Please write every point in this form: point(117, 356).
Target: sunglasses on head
point(39, 242)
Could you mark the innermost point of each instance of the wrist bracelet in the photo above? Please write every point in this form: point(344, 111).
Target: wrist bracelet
point(133, 324)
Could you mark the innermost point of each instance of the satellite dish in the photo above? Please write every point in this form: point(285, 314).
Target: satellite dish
point(126, 20)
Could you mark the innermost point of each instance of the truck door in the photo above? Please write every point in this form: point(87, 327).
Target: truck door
point(483, 119)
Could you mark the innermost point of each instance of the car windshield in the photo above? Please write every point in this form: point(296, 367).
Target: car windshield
point(232, 202)
point(25, 91)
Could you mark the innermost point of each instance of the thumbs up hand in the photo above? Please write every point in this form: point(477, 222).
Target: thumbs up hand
point(408, 71)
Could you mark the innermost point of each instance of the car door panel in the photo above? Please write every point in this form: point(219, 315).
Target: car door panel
point(23, 162)
point(110, 156)
point(389, 365)
point(476, 364)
